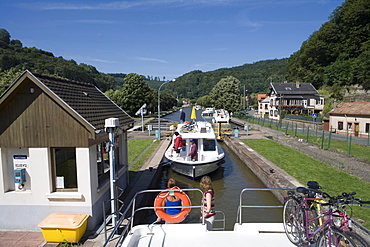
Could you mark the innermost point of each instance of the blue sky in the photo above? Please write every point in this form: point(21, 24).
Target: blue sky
point(165, 38)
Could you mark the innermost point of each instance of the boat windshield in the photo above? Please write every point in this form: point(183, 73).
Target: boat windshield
point(209, 145)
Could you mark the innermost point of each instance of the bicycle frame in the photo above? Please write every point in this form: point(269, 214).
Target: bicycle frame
point(327, 224)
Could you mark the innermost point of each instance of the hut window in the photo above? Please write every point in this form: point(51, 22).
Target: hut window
point(64, 164)
point(102, 161)
point(340, 125)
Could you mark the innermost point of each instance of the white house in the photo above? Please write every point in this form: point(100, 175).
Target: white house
point(52, 129)
point(295, 98)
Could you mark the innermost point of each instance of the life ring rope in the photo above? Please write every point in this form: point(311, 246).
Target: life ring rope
point(161, 213)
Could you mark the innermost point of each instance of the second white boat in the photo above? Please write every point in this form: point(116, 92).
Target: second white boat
point(210, 154)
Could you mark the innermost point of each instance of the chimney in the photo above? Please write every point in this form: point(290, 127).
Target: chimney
point(297, 84)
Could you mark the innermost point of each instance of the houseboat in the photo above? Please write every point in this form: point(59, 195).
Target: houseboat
point(210, 154)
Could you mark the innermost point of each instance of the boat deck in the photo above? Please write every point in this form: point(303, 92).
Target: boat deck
point(246, 234)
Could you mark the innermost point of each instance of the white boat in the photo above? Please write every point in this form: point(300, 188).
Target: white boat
point(210, 154)
point(196, 234)
point(208, 112)
point(221, 116)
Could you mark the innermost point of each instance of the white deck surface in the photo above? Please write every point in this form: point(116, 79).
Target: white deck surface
point(191, 235)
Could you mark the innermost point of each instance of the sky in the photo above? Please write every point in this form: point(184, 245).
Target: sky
point(165, 38)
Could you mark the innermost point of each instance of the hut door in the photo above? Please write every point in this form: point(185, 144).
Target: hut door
point(356, 129)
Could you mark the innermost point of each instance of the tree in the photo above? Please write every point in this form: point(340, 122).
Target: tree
point(204, 101)
point(226, 94)
point(4, 38)
point(135, 93)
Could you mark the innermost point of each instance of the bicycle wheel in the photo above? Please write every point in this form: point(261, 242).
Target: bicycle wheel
point(293, 220)
point(335, 237)
point(357, 239)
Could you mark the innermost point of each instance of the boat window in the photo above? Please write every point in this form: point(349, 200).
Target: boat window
point(209, 145)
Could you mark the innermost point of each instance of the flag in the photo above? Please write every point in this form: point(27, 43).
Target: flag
point(193, 113)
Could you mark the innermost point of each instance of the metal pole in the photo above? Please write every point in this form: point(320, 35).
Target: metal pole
point(142, 119)
point(112, 174)
point(159, 110)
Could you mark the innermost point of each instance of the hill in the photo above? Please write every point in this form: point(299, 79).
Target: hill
point(255, 77)
point(14, 59)
point(337, 55)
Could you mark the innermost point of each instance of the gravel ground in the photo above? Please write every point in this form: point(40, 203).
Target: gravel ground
point(344, 162)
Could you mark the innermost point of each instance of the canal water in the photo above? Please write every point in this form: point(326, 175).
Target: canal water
point(228, 182)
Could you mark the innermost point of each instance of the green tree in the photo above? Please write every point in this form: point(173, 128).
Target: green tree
point(135, 93)
point(4, 38)
point(8, 77)
point(226, 94)
point(204, 101)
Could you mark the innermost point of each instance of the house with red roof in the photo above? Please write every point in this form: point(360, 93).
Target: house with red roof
point(351, 118)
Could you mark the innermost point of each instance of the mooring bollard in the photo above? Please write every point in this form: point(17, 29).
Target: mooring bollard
point(236, 132)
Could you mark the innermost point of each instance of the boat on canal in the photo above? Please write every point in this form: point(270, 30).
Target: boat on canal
point(221, 116)
point(210, 154)
point(208, 112)
point(185, 234)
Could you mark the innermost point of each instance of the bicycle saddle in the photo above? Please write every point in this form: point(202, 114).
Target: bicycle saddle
point(313, 185)
point(302, 190)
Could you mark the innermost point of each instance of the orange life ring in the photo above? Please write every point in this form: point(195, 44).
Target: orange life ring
point(161, 213)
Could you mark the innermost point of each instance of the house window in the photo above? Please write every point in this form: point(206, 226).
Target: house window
point(271, 113)
point(349, 125)
point(367, 127)
point(340, 125)
point(288, 89)
point(266, 106)
point(65, 170)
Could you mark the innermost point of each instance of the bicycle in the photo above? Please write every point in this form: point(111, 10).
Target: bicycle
point(344, 222)
point(301, 229)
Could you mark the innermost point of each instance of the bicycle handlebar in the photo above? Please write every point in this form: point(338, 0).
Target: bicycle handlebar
point(344, 198)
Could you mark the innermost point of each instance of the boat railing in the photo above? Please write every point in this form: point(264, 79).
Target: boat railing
point(219, 219)
point(241, 206)
point(128, 220)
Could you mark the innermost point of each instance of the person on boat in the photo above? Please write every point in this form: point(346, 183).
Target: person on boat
point(208, 202)
point(177, 144)
point(182, 116)
point(171, 200)
point(193, 150)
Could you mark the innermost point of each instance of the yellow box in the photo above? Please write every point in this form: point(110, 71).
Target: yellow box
point(61, 227)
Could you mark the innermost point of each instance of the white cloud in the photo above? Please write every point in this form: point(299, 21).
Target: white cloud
point(151, 59)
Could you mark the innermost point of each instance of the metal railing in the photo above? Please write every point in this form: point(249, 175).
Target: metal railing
point(241, 206)
point(128, 220)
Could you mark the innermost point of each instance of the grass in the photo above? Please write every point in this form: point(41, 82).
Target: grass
point(141, 160)
point(136, 147)
point(355, 150)
point(305, 168)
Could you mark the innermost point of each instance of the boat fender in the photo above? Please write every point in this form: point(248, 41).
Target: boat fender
point(160, 212)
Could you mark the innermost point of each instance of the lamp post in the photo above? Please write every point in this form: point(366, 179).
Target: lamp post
point(159, 109)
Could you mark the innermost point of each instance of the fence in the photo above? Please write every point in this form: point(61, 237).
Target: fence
point(352, 145)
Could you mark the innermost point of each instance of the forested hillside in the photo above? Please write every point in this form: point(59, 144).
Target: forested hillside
point(255, 77)
point(14, 59)
point(338, 54)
